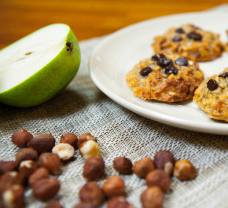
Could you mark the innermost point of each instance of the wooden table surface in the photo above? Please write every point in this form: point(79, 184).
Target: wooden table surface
point(88, 18)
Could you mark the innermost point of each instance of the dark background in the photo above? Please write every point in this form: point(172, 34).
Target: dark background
point(88, 18)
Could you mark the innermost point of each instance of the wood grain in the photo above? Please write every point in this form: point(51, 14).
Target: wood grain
point(88, 18)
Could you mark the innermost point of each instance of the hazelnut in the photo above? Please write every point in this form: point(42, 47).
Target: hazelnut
point(50, 161)
point(159, 178)
point(184, 170)
point(39, 174)
point(26, 154)
point(94, 168)
point(27, 167)
point(64, 151)
point(122, 165)
point(9, 179)
point(6, 166)
point(45, 189)
point(14, 197)
point(21, 138)
point(54, 204)
point(42, 143)
point(89, 149)
point(164, 160)
point(114, 186)
point(118, 202)
point(84, 138)
point(71, 139)
point(152, 197)
point(91, 193)
point(142, 167)
point(84, 205)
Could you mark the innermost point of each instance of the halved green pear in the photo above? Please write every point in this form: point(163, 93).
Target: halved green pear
point(38, 66)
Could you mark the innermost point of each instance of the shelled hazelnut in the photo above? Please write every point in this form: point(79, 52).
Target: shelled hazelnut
point(71, 139)
point(159, 178)
point(27, 167)
point(54, 204)
point(164, 160)
point(26, 154)
point(152, 197)
point(14, 197)
point(123, 165)
point(91, 193)
point(64, 151)
point(114, 186)
point(50, 161)
point(40, 173)
point(88, 146)
point(118, 202)
point(6, 166)
point(184, 170)
point(42, 142)
point(142, 167)
point(94, 168)
point(45, 189)
point(21, 138)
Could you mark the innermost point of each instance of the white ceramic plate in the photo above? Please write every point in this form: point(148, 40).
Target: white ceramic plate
point(119, 52)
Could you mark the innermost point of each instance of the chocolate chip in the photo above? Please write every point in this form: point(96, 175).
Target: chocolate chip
point(194, 36)
point(155, 57)
point(145, 71)
point(212, 85)
point(171, 70)
point(182, 61)
point(177, 38)
point(180, 30)
point(224, 75)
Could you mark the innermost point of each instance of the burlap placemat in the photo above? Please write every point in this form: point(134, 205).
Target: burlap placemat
point(83, 108)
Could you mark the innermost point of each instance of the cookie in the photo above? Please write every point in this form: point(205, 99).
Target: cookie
point(165, 78)
point(191, 42)
point(212, 96)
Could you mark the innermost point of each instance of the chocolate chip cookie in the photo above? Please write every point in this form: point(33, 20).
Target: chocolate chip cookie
point(165, 78)
point(212, 96)
point(191, 42)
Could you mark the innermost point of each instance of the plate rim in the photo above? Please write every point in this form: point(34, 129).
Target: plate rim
point(212, 128)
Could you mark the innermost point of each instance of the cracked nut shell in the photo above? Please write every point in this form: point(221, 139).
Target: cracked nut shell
point(94, 168)
point(123, 165)
point(91, 193)
point(42, 142)
point(184, 170)
point(21, 138)
point(45, 189)
point(114, 186)
point(142, 167)
point(50, 161)
point(159, 178)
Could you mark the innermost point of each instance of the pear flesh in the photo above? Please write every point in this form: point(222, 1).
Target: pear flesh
point(38, 66)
